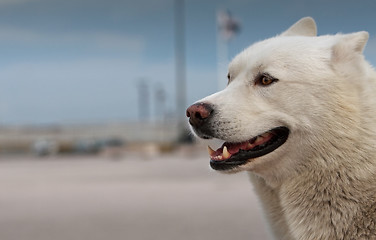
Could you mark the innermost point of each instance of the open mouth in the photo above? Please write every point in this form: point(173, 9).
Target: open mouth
point(231, 155)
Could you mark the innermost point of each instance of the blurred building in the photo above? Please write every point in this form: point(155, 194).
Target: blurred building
point(84, 138)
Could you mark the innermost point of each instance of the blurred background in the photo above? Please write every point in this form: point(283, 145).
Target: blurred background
point(94, 142)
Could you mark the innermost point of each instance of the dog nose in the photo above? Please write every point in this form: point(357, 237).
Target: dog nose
point(198, 113)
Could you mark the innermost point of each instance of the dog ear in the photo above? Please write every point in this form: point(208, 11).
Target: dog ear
point(348, 45)
point(304, 27)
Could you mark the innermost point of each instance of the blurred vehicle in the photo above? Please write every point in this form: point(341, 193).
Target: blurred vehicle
point(86, 146)
point(44, 147)
point(91, 146)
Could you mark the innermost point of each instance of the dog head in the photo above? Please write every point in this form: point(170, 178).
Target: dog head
point(282, 94)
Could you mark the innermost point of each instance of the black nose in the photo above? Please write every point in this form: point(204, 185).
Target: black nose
point(199, 113)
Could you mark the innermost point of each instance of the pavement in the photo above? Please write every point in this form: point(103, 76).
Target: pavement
point(135, 197)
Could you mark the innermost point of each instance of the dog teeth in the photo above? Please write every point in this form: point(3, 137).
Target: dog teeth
point(225, 153)
point(211, 151)
point(249, 145)
point(217, 158)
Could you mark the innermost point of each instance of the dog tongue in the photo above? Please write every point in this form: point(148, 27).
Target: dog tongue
point(235, 147)
point(228, 149)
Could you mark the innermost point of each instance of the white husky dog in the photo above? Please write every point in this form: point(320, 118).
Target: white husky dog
point(299, 114)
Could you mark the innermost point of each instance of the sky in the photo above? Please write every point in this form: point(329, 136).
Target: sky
point(81, 61)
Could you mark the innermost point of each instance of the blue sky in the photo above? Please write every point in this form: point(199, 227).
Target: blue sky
point(77, 61)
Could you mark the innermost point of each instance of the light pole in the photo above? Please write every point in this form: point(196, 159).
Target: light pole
point(160, 100)
point(143, 100)
point(227, 29)
point(180, 73)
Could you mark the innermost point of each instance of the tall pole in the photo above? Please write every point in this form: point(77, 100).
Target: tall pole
point(143, 100)
point(227, 28)
point(180, 64)
point(160, 100)
point(222, 61)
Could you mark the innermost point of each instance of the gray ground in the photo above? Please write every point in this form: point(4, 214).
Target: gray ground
point(135, 198)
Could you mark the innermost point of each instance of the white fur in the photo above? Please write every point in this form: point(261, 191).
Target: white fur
point(321, 183)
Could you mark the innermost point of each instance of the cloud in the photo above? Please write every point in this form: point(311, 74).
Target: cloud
point(83, 90)
point(102, 40)
point(92, 89)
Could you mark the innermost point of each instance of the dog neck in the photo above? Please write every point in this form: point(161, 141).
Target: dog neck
point(322, 195)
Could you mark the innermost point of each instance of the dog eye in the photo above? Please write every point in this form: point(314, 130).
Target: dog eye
point(228, 78)
point(265, 80)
